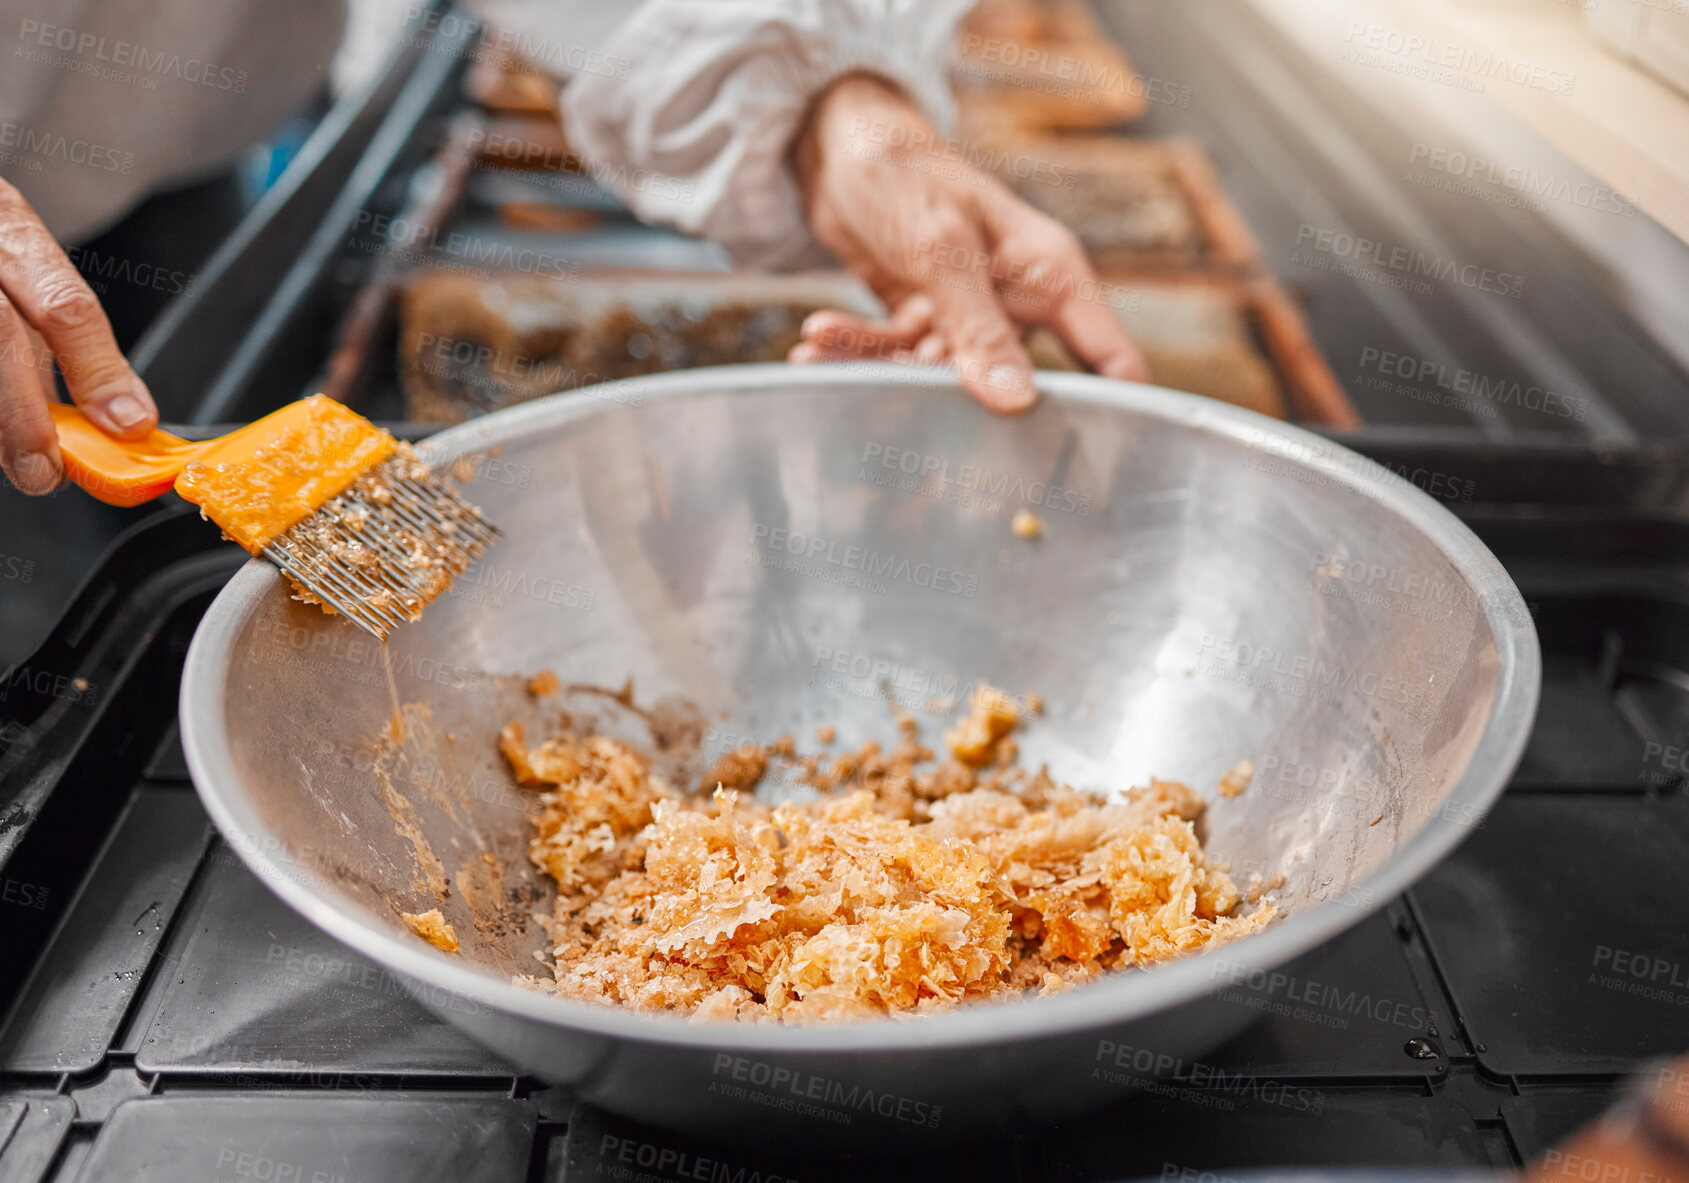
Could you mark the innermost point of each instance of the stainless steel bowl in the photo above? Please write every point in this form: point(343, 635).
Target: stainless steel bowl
point(765, 549)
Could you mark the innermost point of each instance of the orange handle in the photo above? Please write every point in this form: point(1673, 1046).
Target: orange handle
point(120, 472)
point(256, 482)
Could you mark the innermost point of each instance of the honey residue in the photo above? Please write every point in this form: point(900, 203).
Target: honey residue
point(742, 768)
point(431, 926)
point(992, 716)
point(1237, 778)
point(396, 728)
point(282, 469)
point(911, 885)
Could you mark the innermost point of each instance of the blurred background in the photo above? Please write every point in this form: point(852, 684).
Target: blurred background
point(1459, 220)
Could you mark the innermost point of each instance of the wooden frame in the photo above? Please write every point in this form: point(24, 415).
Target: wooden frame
point(1228, 246)
point(1310, 391)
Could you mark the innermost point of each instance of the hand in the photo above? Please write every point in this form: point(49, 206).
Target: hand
point(48, 312)
point(962, 263)
point(1646, 1136)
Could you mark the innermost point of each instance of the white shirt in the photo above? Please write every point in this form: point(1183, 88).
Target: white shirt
point(105, 101)
point(713, 91)
point(687, 108)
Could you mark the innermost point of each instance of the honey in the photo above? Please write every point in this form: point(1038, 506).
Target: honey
point(311, 452)
point(911, 885)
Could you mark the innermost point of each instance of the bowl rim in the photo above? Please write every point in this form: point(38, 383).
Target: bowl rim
point(1116, 999)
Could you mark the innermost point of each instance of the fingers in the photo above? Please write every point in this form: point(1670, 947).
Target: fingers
point(1097, 338)
point(29, 446)
point(908, 322)
point(931, 350)
point(989, 358)
point(1057, 287)
point(831, 335)
point(807, 352)
point(982, 340)
point(51, 295)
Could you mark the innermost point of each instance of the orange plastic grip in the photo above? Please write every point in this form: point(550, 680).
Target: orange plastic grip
point(119, 472)
point(266, 477)
point(255, 483)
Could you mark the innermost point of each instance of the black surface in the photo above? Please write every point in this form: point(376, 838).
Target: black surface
point(1303, 1124)
point(329, 1139)
point(1539, 1117)
point(176, 230)
point(1582, 741)
point(71, 751)
point(254, 988)
point(43, 1122)
point(69, 1011)
point(1559, 931)
point(11, 1116)
point(168, 763)
point(601, 1146)
point(1345, 1012)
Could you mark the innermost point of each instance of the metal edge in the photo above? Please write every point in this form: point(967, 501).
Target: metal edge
point(1099, 1004)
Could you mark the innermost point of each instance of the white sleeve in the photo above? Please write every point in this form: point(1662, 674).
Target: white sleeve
point(695, 130)
point(105, 101)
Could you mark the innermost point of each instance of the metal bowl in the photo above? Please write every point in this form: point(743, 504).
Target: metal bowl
point(765, 549)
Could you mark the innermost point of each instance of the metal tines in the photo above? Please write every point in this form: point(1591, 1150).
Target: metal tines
point(381, 551)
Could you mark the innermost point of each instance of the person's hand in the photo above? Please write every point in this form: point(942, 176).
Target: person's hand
point(1646, 1136)
point(48, 312)
point(961, 262)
